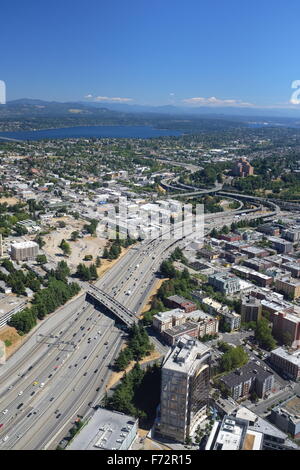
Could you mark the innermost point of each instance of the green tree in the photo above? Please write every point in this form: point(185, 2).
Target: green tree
point(65, 247)
point(41, 259)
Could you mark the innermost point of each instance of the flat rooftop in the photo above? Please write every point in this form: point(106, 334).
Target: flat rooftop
point(187, 352)
point(20, 245)
point(292, 406)
point(106, 430)
point(293, 357)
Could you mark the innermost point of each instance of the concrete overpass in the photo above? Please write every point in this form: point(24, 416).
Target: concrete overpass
point(103, 299)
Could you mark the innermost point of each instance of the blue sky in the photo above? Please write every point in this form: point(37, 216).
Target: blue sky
point(151, 51)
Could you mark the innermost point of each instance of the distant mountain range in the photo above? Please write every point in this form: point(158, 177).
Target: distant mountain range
point(28, 106)
point(39, 113)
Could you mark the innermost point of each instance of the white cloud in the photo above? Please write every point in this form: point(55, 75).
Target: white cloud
point(89, 96)
point(113, 99)
point(213, 101)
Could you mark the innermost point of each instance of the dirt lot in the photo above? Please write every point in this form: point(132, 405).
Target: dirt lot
point(83, 246)
point(11, 201)
point(153, 292)
point(8, 333)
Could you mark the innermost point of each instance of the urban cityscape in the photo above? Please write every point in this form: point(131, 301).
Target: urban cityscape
point(149, 273)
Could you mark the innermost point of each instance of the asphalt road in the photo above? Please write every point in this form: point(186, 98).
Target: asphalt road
point(64, 366)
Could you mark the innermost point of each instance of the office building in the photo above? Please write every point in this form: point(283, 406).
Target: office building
point(242, 168)
point(286, 416)
point(251, 309)
point(184, 389)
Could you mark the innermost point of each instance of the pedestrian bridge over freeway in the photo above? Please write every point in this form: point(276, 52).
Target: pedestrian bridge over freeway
point(98, 296)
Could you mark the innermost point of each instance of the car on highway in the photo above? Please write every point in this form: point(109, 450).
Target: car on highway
point(20, 406)
point(4, 412)
point(20, 393)
point(42, 385)
point(1, 425)
point(35, 382)
point(5, 438)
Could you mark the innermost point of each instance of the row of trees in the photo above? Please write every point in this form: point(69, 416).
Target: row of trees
point(137, 348)
point(115, 249)
point(56, 293)
point(138, 394)
point(18, 280)
point(87, 273)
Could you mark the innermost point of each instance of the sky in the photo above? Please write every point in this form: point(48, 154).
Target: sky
point(184, 52)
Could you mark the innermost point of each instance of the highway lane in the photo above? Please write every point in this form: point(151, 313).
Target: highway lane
point(89, 373)
point(148, 256)
point(50, 367)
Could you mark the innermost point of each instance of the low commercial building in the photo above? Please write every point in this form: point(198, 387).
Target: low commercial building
point(293, 268)
point(292, 234)
point(280, 245)
point(208, 254)
point(286, 362)
point(172, 335)
point(175, 323)
point(286, 416)
point(207, 324)
point(254, 276)
point(233, 433)
point(269, 229)
point(176, 301)
point(225, 282)
point(255, 252)
point(5, 288)
point(165, 320)
point(231, 237)
point(106, 430)
point(273, 438)
point(252, 377)
point(258, 264)
point(289, 287)
point(22, 251)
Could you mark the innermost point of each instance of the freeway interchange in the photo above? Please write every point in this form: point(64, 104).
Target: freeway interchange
point(63, 369)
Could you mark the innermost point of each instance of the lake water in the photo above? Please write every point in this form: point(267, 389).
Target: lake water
point(133, 132)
